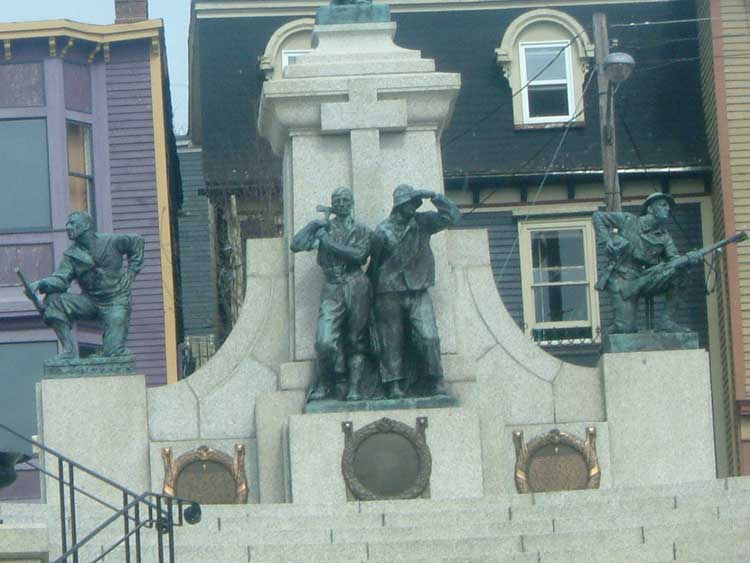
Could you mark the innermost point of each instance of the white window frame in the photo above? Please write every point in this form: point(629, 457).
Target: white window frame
point(525, 229)
point(522, 47)
point(286, 54)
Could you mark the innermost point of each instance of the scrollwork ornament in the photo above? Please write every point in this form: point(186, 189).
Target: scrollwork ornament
point(525, 453)
point(235, 465)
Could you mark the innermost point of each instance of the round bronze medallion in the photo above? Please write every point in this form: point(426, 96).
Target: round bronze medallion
point(206, 482)
point(386, 460)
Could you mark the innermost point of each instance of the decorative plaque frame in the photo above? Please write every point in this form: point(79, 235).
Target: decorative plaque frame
point(415, 436)
point(235, 466)
point(525, 453)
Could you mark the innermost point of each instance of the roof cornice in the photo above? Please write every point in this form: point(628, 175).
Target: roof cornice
point(211, 9)
point(83, 31)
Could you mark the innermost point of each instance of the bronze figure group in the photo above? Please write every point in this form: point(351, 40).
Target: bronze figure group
point(380, 324)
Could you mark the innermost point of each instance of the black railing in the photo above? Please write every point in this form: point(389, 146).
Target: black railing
point(139, 512)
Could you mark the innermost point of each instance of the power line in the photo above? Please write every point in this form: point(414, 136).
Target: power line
point(514, 94)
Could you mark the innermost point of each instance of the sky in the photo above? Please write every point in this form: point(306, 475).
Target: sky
point(176, 16)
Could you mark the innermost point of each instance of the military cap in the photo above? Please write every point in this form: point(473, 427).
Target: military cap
point(405, 193)
point(653, 197)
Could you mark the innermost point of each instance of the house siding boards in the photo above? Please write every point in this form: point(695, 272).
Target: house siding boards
point(134, 198)
point(722, 368)
point(197, 261)
point(724, 59)
point(502, 232)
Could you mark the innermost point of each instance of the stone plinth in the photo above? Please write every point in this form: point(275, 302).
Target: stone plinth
point(94, 366)
point(358, 111)
point(381, 404)
point(658, 407)
point(316, 444)
point(650, 341)
point(100, 423)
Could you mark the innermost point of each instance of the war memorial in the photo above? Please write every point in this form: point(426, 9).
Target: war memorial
point(375, 401)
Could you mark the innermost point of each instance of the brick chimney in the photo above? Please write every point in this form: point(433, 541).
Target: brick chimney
point(129, 11)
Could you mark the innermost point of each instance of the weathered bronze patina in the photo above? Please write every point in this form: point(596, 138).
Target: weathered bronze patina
point(386, 459)
point(556, 461)
point(342, 340)
point(8, 462)
point(352, 11)
point(402, 269)
point(95, 261)
point(643, 262)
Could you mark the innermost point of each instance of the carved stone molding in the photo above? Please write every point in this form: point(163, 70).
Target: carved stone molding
point(553, 442)
point(235, 466)
point(418, 478)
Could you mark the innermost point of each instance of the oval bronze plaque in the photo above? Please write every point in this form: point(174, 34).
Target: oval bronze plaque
point(556, 461)
point(206, 476)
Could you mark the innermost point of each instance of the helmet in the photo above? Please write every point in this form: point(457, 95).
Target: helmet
point(656, 196)
point(403, 194)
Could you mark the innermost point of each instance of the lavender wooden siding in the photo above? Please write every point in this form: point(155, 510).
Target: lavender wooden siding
point(134, 201)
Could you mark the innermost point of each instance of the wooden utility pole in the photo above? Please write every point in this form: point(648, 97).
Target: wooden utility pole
point(606, 116)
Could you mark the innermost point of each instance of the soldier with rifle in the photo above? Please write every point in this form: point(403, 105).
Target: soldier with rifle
point(644, 262)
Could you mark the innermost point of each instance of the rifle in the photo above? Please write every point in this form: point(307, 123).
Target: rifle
point(30, 294)
point(655, 275)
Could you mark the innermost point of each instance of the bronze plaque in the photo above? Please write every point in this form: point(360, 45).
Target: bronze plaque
point(556, 461)
point(387, 464)
point(386, 460)
point(557, 467)
point(206, 476)
point(206, 482)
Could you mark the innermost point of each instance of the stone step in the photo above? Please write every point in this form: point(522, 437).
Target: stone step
point(645, 553)
point(461, 549)
point(583, 541)
point(720, 547)
point(675, 516)
point(707, 531)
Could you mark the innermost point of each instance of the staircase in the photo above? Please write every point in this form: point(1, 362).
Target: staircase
point(696, 522)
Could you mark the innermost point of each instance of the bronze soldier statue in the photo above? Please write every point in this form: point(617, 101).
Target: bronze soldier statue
point(643, 262)
point(342, 340)
point(95, 261)
point(402, 270)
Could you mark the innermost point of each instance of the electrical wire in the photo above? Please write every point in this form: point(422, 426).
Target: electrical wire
point(549, 167)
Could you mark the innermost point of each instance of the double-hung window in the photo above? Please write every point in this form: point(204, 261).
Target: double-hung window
point(547, 73)
point(558, 269)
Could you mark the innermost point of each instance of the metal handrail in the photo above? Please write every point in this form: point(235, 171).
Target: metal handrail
point(161, 519)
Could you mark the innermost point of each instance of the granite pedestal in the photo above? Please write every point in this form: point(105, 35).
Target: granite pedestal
point(316, 444)
point(658, 407)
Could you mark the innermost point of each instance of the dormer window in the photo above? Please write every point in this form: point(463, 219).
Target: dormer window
point(545, 66)
point(545, 55)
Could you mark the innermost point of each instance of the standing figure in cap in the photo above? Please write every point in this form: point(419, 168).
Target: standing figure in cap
point(342, 340)
point(402, 269)
point(635, 245)
point(95, 261)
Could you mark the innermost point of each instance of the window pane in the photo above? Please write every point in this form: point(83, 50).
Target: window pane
point(561, 303)
point(558, 256)
point(548, 100)
point(24, 181)
point(21, 368)
point(34, 260)
point(79, 194)
point(539, 57)
point(79, 148)
point(77, 79)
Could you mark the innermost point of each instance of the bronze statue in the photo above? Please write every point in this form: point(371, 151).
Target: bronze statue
point(95, 261)
point(342, 340)
point(402, 269)
point(643, 262)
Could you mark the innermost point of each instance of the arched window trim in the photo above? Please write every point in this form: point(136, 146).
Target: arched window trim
point(268, 59)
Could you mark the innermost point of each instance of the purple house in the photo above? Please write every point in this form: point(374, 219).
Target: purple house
point(85, 124)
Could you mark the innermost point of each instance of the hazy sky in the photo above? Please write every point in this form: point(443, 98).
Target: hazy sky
point(176, 16)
